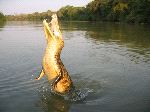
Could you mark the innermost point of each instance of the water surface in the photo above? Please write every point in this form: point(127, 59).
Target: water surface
point(112, 60)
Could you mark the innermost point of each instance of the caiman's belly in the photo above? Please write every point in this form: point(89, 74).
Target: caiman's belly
point(49, 67)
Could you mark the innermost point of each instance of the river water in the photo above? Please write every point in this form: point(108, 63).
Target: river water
point(110, 60)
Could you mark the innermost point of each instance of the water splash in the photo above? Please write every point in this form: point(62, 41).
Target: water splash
point(73, 95)
point(77, 95)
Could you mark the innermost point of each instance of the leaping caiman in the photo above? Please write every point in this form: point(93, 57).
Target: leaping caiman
point(53, 67)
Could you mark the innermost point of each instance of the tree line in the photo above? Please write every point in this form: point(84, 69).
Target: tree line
point(133, 11)
point(30, 17)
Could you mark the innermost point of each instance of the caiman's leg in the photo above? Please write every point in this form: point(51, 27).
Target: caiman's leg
point(59, 72)
point(56, 80)
point(41, 75)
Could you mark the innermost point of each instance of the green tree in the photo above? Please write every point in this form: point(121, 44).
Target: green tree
point(139, 11)
point(2, 17)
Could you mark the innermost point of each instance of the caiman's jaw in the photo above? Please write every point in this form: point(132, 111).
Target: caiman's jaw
point(48, 33)
point(52, 30)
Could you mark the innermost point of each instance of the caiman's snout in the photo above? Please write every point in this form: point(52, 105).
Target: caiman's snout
point(52, 29)
point(48, 33)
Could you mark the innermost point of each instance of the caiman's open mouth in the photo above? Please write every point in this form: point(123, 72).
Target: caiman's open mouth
point(52, 30)
point(47, 30)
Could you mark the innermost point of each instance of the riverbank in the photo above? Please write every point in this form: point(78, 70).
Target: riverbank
point(130, 11)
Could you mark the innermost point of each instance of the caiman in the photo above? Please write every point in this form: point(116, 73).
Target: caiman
point(53, 67)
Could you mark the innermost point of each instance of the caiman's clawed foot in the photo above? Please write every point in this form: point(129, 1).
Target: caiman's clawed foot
point(40, 76)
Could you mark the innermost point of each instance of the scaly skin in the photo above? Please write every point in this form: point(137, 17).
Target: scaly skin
point(53, 67)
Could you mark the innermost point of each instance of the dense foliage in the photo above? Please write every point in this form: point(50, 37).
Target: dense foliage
point(98, 10)
point(73, 13)
point(2, 17)
point(109, 10)
point(127, 10)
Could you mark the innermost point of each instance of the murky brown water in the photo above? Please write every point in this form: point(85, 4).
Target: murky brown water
point(112, 60)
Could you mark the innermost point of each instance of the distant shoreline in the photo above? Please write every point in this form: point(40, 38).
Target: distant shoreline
point(100, 21)
point(110, 11)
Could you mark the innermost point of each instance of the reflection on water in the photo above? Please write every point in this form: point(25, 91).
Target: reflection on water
point(112, 60)
point(55, 104)
point(134, 38)
point(2, 24)
point(52, 103)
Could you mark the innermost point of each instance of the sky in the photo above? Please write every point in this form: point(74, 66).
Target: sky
point(12, 7)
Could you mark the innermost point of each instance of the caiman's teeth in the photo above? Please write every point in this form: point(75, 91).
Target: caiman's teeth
point(47, 30)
